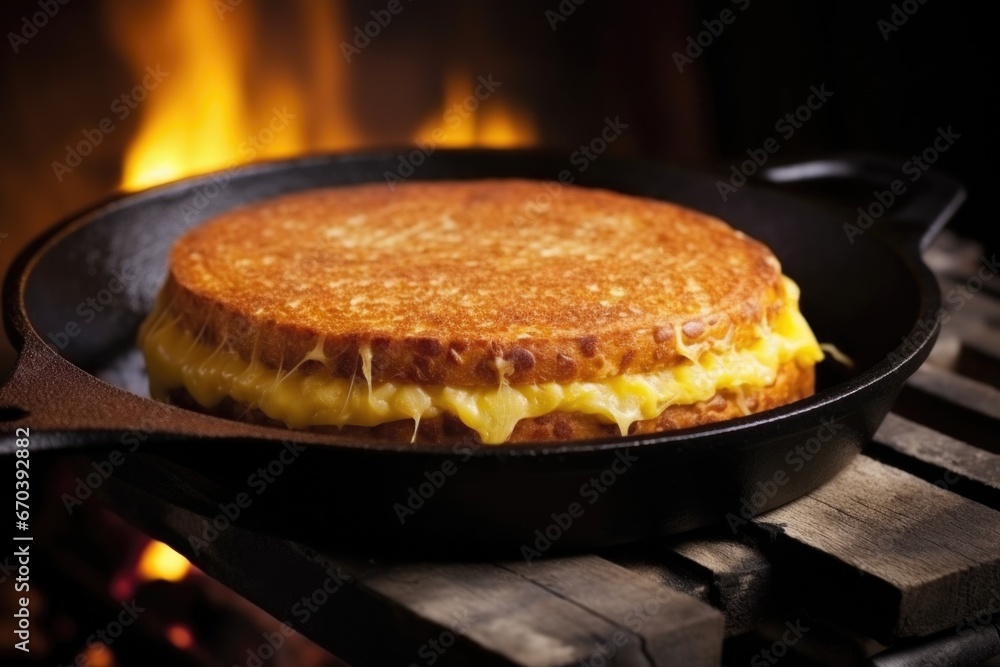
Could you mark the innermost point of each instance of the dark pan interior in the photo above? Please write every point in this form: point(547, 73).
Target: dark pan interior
point(99, 280)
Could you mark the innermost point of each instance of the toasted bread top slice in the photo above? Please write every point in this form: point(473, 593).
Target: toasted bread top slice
point(470, 283)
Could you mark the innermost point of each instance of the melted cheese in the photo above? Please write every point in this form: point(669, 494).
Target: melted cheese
point(177, 359)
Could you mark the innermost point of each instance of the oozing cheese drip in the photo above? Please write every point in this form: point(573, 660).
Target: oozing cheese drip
point(175, 358)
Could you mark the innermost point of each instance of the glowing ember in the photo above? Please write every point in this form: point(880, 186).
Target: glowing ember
point(180, 636)
point(123, 587)
point(158, 561)
point(96, 655)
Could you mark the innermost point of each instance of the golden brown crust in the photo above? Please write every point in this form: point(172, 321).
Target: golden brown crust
point(793, 382)
point(441, 279)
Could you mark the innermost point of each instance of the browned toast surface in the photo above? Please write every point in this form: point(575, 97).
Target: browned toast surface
point(445, 281)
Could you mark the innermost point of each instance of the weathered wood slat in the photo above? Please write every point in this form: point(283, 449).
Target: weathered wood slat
point(952, 404)
point(952, 255)
point(970, 340)
point(558, 612)
point(654, 562)
point(887, 552)
point(796, 638)
point(505, 614)
point(983, 306)
point(979, 356)
point(551, 613)
point(978, 314)
point(959, 390)
point(713, 566)
point(939, 459)
point(986, 308)
point(672, 628)
point(741, 578)
point(971, 647)
point(955, 272)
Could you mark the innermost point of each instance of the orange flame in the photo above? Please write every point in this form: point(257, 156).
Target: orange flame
point(97, 654)
point(222, 103)
point(158, 561)
point(234, 94)
point(194, 124)
point(473, 115)
point(180, 636)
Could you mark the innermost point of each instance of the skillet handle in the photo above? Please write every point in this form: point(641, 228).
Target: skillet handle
point(49, 397)
point(65, 408)
point(921, 206)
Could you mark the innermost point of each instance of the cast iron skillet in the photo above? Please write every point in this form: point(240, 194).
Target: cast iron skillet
point(79, 383)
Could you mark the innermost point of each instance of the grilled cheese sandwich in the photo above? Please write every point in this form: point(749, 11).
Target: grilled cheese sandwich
point(637, 367)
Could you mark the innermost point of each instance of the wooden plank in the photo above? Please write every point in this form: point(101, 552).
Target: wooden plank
point(552, 613)
point(651, 562)
point(711, 565)
point(740, 576)
point(978, 316)
point(886, 552)
point(955, 272)
point(970, 340)
point(979, 356)
point(952, 404)
point(941, 460)
point(796, 638)
point(952, 255)
point(958, 390)
point(558, 612)
point(671, 627)
point(503, 613)
point(973, 646)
